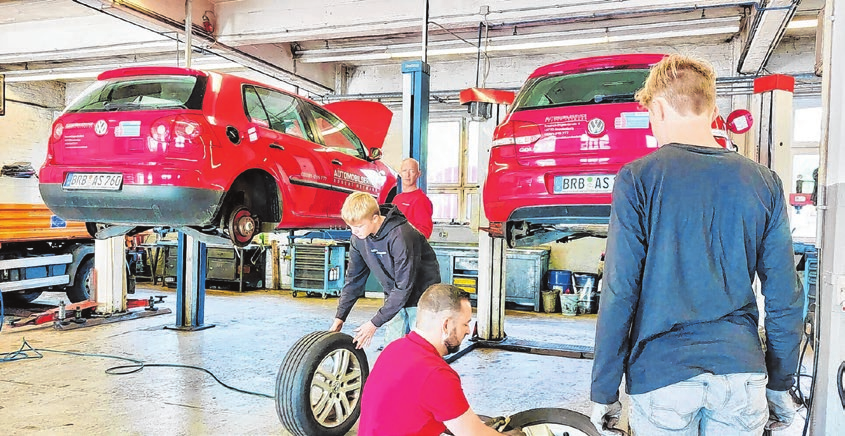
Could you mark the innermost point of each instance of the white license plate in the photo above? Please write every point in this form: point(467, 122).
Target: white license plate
point(590, 184)
point(96, 181)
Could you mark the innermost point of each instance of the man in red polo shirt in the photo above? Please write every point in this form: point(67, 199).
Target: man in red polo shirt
point(411, 389)
point(412, 201)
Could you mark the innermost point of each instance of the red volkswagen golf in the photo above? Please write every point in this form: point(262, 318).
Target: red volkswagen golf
point(572, 126)
point(210, 152)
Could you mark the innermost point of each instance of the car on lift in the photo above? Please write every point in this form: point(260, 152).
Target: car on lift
point(554, 157)
point(215, 153)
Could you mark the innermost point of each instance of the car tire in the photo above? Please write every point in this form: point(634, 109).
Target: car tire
point(553, 416)
point(20, 297)
point(319, 385)
point(242, 226)
point(81, 289)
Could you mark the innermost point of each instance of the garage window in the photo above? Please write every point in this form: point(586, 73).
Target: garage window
point(452, 171)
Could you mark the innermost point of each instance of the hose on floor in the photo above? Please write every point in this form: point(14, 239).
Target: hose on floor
point(26, 351)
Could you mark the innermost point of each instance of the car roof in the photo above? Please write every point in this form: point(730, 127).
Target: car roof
point(178, 71)
point(597, 63)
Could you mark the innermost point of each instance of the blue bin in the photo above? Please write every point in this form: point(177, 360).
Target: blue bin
point(560, 280)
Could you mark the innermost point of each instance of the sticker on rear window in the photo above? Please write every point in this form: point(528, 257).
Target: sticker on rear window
point(127, 129)
point(631, 120)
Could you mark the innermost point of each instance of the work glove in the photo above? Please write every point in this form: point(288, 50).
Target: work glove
point(605, 417)
point(781, 409)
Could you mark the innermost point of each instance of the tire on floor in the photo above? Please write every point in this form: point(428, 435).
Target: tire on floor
point(319, 385)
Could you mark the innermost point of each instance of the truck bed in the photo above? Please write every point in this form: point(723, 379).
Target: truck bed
point(35, 222)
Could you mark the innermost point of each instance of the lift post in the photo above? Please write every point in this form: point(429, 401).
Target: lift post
point(774, 134)
point(190, 284)
point(415, 97)
point(110, 276)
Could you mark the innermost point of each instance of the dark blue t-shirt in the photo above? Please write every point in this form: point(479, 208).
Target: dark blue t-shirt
point(690, 227)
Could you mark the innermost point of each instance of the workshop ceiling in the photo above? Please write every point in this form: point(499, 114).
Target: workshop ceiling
point(305, 43)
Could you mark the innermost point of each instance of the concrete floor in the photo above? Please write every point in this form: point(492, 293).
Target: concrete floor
point(62, 394)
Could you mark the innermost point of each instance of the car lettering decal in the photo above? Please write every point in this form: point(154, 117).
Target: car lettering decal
point(127, 129)
point(70, 126)
point(253, 134)
point(631, 120)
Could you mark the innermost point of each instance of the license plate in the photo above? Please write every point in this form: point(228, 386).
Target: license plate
point(98, 181)
point(592, 184)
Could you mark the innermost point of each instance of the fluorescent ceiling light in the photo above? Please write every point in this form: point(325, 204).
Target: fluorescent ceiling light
point(802, 24)
point(706, 27)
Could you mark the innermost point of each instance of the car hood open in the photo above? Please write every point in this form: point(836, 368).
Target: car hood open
point(368, 119)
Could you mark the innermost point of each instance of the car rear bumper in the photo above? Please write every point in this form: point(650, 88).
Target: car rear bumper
point(135, 204)
point(563, 214)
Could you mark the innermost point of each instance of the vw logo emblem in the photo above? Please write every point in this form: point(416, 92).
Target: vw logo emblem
point(595, 127)
point(101, 128)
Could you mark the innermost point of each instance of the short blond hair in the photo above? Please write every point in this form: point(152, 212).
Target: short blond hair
point(688, 84)
point(358, 207)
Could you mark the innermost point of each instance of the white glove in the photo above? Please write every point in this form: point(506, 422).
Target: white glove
point(781, 409)
point(605, 417)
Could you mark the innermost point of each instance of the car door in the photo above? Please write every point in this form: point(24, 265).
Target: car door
point(277, 125)
point(351, 170)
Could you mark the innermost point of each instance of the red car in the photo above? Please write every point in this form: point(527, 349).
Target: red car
point(163, 146)
point(572, 126)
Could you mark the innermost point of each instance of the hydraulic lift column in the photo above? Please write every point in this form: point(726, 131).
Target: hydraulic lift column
point(774, 134)
point(415, 96)
point(109, 264)
point(190, 284)
point(487, 108)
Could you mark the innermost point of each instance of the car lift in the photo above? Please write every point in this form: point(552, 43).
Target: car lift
point(109, 289)
point(488, 108)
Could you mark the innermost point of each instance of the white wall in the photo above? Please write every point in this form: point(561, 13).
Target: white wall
point(24, 130)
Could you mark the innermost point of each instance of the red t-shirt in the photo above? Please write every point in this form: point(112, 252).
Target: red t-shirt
point(416, 206)
point(410, 391)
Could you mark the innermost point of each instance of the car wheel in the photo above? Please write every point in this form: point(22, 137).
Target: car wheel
point(20, 297)
point(558, 421)
point(319, 385)
point(242, 226)
point(81, 289)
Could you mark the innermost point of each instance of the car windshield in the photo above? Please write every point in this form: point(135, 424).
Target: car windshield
point(142, 93)
point(593, 87)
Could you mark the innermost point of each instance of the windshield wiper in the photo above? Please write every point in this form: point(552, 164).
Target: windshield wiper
point(111, 107)
point(599, 98)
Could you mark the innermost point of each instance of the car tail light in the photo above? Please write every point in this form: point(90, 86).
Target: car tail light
point(515, 133)
point(58, 129)
point(175, 135)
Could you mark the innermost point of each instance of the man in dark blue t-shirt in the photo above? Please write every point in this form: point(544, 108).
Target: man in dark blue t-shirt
point(691, 225)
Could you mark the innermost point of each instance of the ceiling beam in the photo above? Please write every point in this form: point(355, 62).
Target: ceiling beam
point(249, 21)
point(764, 31)
point(156, 16)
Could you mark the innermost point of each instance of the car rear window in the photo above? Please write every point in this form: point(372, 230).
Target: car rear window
point(593, 87)
point(142, 93)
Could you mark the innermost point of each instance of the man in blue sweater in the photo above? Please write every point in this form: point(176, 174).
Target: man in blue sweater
point(691, 225)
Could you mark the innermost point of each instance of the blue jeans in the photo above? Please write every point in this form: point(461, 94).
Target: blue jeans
point(400, 325)
point(707, 405)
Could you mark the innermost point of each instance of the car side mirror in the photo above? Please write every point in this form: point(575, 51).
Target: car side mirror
point(375, 153)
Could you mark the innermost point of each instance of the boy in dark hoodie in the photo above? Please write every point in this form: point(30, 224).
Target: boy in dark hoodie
point(397, 254)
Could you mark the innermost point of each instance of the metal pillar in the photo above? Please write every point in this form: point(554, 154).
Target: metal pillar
point(190, 284)
point(110, 276)
point(774, 134)
point(415, 97)
point(491, 251)
point(828, 414)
